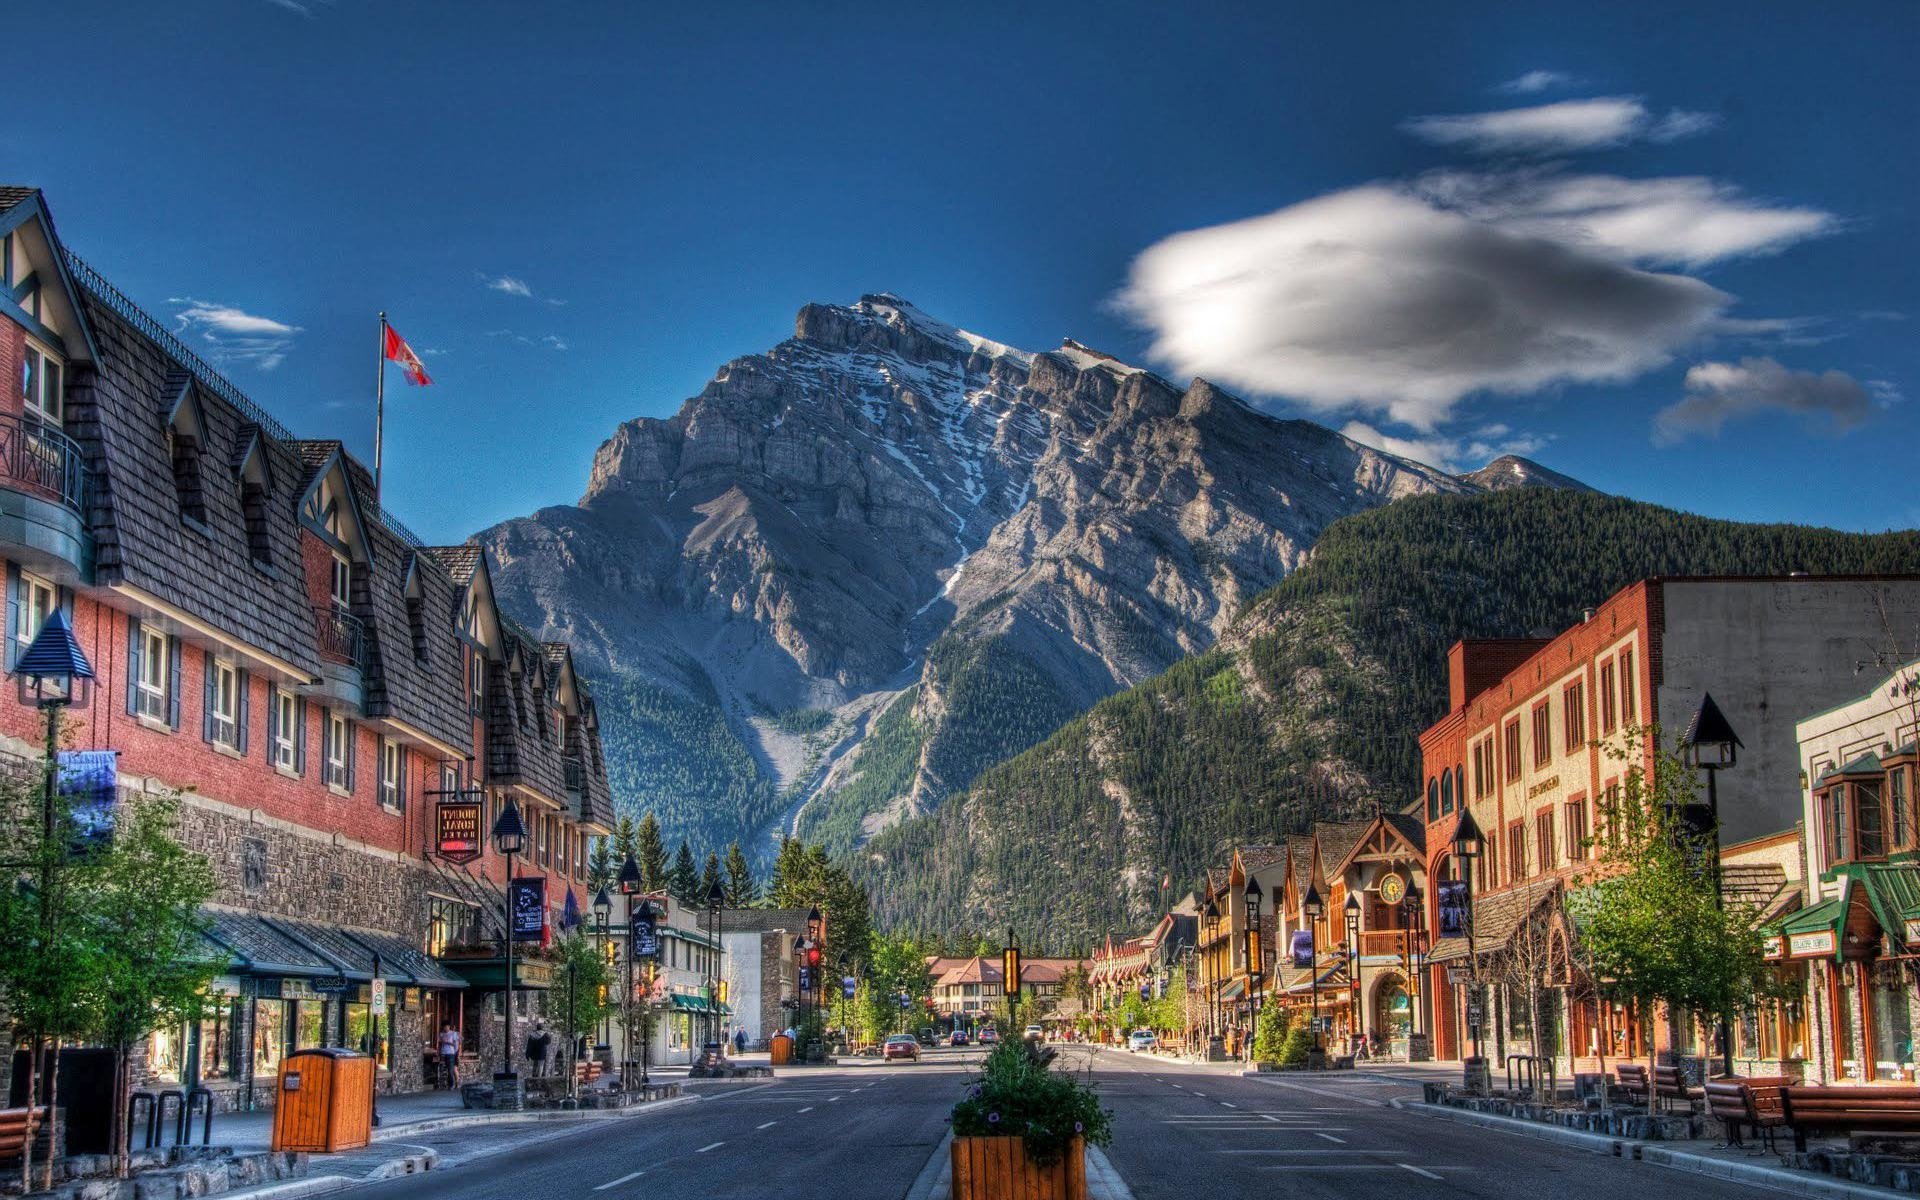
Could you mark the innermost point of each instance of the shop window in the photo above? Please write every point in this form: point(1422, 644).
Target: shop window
point(269, 1037)
point(1892, 1021)
point(309, 1024)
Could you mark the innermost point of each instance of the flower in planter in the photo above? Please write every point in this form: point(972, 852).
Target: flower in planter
point(993, 1118)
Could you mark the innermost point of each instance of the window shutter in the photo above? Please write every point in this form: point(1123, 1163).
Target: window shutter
point(173, 682)
point(300, 736)
point(273, 719)
point(133, 665)
point(347, 726)
point(206, 697)
point(64, 596)
point(13, 614)
point(242, 702)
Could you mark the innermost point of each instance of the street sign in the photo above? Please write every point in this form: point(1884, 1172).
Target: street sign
point(847, 986)
point(377, 998)
point(1459, 975)
point(806, 979)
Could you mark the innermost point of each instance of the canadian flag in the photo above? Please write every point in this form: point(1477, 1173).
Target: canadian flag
point(398, 351)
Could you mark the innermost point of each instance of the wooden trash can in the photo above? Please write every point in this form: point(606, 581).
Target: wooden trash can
point(780, 1048)
point(324, 1101)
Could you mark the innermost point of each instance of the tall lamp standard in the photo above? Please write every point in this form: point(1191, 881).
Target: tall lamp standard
point(509, 838)
point(1467, 845)
point(1211, 961)
point(1010, 976)
point(1256, 967)
point(1357, 992)
point(629, 883)
point(1314, 907)
point(815, 927)
point(716, 899)
point(603, 920)
point(1712, 746)
point(1411, 914)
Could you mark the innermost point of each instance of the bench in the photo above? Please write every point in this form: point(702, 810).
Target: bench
point(17, 1125)
point(587, 1072)
point(1747, 1104)
point(1633, 1081)
point(1670, 1085)
point(1849, 1110)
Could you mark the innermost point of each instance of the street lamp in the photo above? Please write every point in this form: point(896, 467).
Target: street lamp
point(603, 921)
point(1712, 746)
point(1353, 962)
point(1467, 845)
point(1212, 914)
point(716, 898)
point(1010, 976)
point(638, 919)
point(1413, 920)
point(1313, 907)
point(1255, 971)
point(814, 930)
point(509, 838)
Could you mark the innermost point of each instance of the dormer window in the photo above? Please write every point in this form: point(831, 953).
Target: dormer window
point(342, 586)
point(255, 484)
point(42, 383)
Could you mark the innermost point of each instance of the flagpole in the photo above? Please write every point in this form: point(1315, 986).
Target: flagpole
point(380, 409)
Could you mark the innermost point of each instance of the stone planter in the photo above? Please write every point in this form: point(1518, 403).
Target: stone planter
point(997, 1168)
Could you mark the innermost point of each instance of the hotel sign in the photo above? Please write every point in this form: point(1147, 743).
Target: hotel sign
point(1543, 787)
point(1806, 945)
point(457, 830)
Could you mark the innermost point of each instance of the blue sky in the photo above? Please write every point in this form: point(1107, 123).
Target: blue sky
point(1678, 262)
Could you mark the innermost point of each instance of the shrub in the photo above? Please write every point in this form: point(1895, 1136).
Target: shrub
point(1270, 1038)
point(1019, 1096)
point(1293, 1052)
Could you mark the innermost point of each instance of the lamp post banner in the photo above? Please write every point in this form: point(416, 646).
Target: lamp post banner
point(1453, 908)
point(89, 782)
point(1303, 948)
point(528, 901)
point(646, 938)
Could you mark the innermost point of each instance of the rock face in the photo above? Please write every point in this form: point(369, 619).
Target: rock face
point(1512, 471)
point(886, 522)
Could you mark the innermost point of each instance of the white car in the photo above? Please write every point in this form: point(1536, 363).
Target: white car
point(1142, 1039)
point(1033, 1033)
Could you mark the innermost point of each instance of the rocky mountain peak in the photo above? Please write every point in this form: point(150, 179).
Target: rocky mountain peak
point(1513, 471)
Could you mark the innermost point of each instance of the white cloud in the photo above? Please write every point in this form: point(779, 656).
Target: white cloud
point(293, 6)
point(551, 341)
point(1377, 299)
point(1454, 454)
point(1534, 81)
point(233, 334)
point(1558, 128)
point(555, 342)
point(509, 285)
point(1718, 392)
point(1685, 220)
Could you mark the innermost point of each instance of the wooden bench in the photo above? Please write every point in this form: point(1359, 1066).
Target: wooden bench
point(1747, 1104)
point(1633, 1081)
point(587, 1072)
point(1670, 1085)
point(1849, 1110)
point(16, 1126)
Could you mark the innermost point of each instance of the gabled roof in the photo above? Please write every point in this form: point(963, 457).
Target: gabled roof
point(24, 209)
point(459, 562)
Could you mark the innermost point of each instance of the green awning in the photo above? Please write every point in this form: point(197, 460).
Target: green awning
point(692, 1004)
point(1867, 766)
point(1814, 932)
point(1893, 892)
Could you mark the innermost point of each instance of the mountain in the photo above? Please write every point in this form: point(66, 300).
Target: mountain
point(1310, 706)
point(860, 568)
point(1512, 471)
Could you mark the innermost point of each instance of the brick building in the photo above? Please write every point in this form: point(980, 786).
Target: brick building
point(270, 642)
point(1537, 737)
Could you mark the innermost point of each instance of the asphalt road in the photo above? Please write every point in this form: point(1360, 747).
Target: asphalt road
point(1182, 1131)
point(815, 1134)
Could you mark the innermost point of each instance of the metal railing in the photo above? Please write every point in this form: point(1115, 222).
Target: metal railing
point(45, 461)
point(342, 636)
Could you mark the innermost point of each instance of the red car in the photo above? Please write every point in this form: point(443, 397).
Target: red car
point(900, 1045)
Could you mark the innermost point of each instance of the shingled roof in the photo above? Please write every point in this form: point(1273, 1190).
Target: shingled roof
point(1497, 918)
point(11, 195)
point(459, 562)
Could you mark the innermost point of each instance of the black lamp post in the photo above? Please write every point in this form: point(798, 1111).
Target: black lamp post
point(1212, 914)
point(1255, 967)
point(1010, 976)
point(716, 898)
point(629, 883)
point(1412, 919)
point(1467, 845)
point(603, 920)
point(509, 838)
point(375, 992)
point(1712, 746)
point(1353, 962)
point(1313, 907)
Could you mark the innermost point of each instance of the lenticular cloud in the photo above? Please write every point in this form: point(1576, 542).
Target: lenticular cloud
point(1380, 299)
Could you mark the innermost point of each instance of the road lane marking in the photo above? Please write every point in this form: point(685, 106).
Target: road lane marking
point(1224, 1104)
point(617, 1182)
point(713, 1146)
point(1301, 1087)
point(1330, 1137)
point(767, 1125)
point(808, 1108)
point(833, 1099)
point(1418, 1171)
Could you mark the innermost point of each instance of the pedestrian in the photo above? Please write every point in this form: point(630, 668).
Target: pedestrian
point(739, 1041)
point(449, 1047)
point(537, 1044)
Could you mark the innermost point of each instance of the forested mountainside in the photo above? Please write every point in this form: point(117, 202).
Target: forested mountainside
point(1310, 706)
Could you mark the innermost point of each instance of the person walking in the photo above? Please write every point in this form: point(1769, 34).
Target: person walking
point(449, 1047)
point(538, 1043)
point(739, 1041)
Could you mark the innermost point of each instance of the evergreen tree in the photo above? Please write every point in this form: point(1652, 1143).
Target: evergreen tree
point(601, 869)
point(710, 878)
point(741, 890)
point(652, 853)
point(683, 882)
point(624, 843)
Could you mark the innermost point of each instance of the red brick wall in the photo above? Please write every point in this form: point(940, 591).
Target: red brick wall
point(13, 344)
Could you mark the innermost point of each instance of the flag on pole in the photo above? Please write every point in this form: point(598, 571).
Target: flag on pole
point(570, 912)
point(397, 350)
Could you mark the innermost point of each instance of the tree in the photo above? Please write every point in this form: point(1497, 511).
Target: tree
point(710, 878)
point(652, 855)
point(895, 966)
point(601, 869)
point(804, 878)
point(1270, 1033)
point(625, 841)
point(741, 890)
point(1651, 919)
point(683, 882)
point(1074, 986)
point(582, 987)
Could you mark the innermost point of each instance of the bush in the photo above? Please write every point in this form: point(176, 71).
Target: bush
point(1293, 1052)
point(1018, 1096)
point(1270, 1038)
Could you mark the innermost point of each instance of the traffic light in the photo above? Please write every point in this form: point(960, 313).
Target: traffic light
point(813, 956)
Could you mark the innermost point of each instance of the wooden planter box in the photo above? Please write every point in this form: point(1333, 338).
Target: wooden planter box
point(997, 1168)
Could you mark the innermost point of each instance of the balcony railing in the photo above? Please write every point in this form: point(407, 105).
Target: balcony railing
point(1383, 941)
point(342, 636)
point(38, 458)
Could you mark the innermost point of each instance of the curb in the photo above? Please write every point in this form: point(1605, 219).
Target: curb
point(935, 1180)
point(1103, 1182)
point(295, 1189)
point(1751, 1174)
point(406, 1164)
point(466, 1120)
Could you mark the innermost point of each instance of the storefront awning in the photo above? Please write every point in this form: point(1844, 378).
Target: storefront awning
point(1814, 932)
point(259, 949)
point(692, 1004)
point(1893, 892)
point(1234, 990)
point(279, 947)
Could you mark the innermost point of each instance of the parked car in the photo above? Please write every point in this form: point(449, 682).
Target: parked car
point(1142, 1039)
point(1034, 1033)
point(900, 1045)
point(989, 1036)
point(959, 1038)
point(928, 1038)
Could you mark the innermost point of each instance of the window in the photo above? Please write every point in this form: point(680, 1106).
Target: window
point(37, 599)
point(1606, 698)
point(1513, 750)
point(1577, 830)
point(1900, 809)
point(1542, 733)
point(153, 675)
point(284, 730)
point(339, 751)
point(1482, 769)
point(1611, 815)
point(449, 777)
point(449, 922)
point(223, 705)
point(1446, 793)
point(1516, 852)
point(392, 773)
point(342, 585)
point(476, 678)
point(1433, 799)
point(1869, 820)
point(41, 384)
point(1545, 854)
point(1574, 716)
point(1629, 685)
point(1839, 827)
